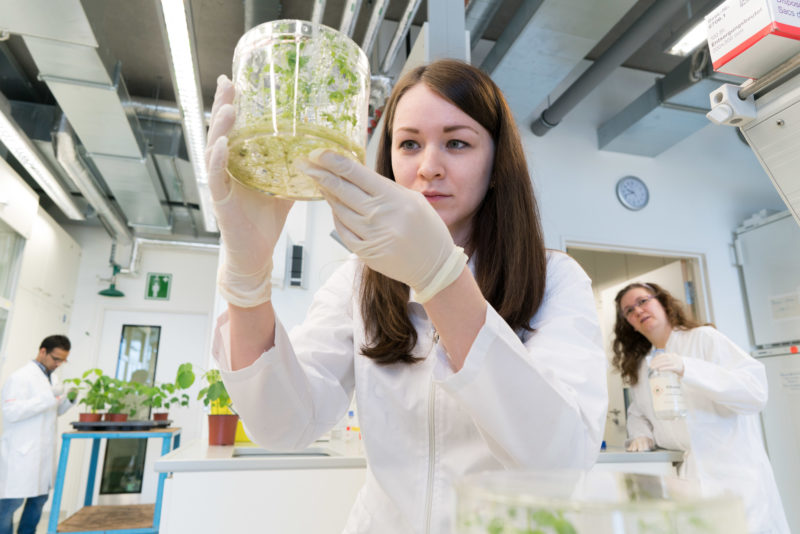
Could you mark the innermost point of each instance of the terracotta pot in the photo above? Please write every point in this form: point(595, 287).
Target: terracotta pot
point(87, 417)
point(222, 429)
point(116, 417)
point(161, 416)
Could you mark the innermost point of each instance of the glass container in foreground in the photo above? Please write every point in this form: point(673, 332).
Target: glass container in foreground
point(299, 86)
point(600, 502)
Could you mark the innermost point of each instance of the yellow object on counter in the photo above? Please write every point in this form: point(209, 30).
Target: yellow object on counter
point(241, 436)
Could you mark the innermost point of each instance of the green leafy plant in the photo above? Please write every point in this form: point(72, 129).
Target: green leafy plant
point(94, 386)
point(214, 395)
point(167, 394)
point(121, 396)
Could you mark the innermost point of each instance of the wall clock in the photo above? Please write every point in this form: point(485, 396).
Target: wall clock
point(632, 192)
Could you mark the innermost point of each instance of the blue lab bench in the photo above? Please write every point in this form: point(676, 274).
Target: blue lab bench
point(171, 440)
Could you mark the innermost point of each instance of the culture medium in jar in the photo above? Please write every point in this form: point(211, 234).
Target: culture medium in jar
point(299, 86)
point(666, 391)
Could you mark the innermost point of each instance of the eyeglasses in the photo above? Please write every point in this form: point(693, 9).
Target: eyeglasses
point(641, 301)
point(56, 358)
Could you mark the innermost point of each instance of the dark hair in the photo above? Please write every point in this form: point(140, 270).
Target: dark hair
point(629, 345)
point(55, 342)
point(507, 240)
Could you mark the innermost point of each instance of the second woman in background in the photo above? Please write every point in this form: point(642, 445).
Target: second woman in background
point(724, 389)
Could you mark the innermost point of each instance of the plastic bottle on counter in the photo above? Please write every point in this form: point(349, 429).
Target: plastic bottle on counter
point(666, 391)
point(353, 434)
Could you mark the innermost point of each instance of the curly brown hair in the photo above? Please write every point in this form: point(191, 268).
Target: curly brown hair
point(507, 237)
point(629, 345)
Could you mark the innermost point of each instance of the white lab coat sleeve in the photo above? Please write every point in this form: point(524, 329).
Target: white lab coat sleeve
point(719, 370)
point(21, 402)
point(301, 387)
point(638, 425)
point(541, 404)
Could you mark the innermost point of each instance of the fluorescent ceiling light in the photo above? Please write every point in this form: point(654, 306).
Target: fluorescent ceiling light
point(188, 89)
point(26, 153)
point(690, 40)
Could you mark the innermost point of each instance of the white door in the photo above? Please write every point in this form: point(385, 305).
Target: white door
point(670, 277)
point(183, 338)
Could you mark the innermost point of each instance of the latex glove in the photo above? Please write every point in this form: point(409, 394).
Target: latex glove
point(394, 230)
point(640, 443)
point(58, 389)
point(250, 222)
point(668, 361)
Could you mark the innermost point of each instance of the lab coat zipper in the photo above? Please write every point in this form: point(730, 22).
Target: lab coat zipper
point(431, 443)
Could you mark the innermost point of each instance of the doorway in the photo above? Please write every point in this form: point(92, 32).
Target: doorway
point(181, 337)
point(682, 274)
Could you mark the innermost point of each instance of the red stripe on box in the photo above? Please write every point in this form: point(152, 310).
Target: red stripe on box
point(787, 30)
point(766, 30)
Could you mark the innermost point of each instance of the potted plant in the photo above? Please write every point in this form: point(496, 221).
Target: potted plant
point(222, 418)
point(94, 385)
point(160, 398)
point(121, 400)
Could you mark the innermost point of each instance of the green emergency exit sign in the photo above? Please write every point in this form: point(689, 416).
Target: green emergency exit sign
point(158, 286)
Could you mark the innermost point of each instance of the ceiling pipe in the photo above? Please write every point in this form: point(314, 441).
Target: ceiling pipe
point(133, 268)
point(319, 10)
point(399, 35)
point(632, 40)
point(151, 109)
point(478, 16)
point(258, 11)
point(375, 20)
point(349, 17)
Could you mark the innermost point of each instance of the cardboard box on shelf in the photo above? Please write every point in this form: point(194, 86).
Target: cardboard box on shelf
point(751, 37)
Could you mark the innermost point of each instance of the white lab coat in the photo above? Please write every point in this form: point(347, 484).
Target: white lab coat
point(540, 404)
point(725, 389)
point(28, 444)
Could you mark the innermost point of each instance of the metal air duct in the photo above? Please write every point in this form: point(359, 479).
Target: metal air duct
point(349, 17)
point(88, 87)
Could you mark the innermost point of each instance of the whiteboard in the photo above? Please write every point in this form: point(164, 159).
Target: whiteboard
point(769, 257)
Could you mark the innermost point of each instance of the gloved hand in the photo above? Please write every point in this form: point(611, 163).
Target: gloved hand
point(640, 443)
point(668, 361)
point(394, 230)
point(249, 222)
point(58, 389)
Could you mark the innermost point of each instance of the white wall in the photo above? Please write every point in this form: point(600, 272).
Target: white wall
point(43, 302)
point(700, 189)
point(192, 292)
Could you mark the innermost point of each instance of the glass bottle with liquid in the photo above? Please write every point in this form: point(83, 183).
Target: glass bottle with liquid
point(666, 391)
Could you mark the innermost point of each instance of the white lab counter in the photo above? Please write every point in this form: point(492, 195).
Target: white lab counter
point(233, 489)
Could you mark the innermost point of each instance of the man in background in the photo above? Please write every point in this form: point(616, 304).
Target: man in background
point(32, 398)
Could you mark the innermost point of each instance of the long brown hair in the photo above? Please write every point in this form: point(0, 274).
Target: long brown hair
point(507, 240)
point(629, 345)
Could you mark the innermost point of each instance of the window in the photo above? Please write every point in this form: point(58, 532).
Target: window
point(11, 245)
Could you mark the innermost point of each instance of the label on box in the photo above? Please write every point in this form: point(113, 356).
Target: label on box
point(737, 26)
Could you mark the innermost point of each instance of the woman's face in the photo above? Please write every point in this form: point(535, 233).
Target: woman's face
point(443, 153)
point(644, 312)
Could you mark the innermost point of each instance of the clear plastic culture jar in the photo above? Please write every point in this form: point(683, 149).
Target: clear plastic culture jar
point(299, 86)
point(595, 502)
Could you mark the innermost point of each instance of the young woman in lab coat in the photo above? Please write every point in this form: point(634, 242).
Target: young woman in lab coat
point(467, 345)
point(724, 388)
